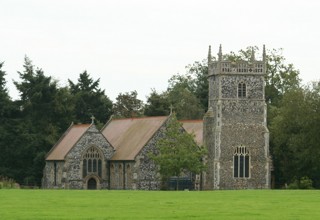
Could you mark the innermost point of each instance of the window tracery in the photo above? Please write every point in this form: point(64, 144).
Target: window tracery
point(241, 163)
point(92, 162)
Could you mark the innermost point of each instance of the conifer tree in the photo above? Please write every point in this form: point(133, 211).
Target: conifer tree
point(90, 100)
point(4, 97)
point(45, 112)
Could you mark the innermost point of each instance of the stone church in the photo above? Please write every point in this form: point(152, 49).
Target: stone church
point(233, 129)
point(114, 158)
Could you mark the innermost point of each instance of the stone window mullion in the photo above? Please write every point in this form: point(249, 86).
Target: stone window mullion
point(241, 163)
point(92, 163)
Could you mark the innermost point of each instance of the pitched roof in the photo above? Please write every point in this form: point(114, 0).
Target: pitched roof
point(196, 127)
point(67, 141)
point(128, 136)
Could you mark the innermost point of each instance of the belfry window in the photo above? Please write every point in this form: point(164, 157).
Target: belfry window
point(92, 162)
point(242, 90)
point(241, 163)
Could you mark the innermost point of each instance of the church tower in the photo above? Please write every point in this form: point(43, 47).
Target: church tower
point(235, 126)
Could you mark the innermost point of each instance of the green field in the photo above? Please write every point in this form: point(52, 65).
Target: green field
point(75, 204)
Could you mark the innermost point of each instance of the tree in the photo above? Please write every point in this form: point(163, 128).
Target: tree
point(90, 100)
point(128, 105)
point(39, 96)
point(178, 97)
point(6, 112)
point(185, 103)
point(178, 152)
point(157, 104)
point(195, 82)
point(4, 96)
point(42, 117)
point(281, 77)
point(295, 135)
point(3, 89)
point(200, 72)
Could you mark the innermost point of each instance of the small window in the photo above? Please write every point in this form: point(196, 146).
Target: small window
point(242, 90)
point(241, 162)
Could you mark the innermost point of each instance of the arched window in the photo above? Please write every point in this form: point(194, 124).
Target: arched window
point(241, 162)
point(92, 162)
point(242, 90)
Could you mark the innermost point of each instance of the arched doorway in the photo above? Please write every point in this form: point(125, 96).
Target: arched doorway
point(92, 183)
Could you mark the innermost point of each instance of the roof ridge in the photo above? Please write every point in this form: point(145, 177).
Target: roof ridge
point(87, 124)
point(136, 118)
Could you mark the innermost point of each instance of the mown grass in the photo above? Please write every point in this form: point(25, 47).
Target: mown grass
point(75, 204)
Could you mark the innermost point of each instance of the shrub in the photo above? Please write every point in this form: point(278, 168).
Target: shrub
point(304, 183)
point(8, 183)
point(294, 184)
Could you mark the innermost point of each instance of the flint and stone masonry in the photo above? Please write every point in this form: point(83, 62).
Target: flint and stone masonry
point(235, 130)
point(69, 172)
point(83, 159)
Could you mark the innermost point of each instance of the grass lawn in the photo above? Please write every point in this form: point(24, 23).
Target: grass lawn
point(76, 204)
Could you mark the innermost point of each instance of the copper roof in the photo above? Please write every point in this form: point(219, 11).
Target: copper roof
point(67, 141)
point(128, 136)
point(195, 127)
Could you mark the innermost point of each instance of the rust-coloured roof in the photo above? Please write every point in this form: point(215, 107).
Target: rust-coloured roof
point(195, 127)
point(128, 136)
point(67, 141)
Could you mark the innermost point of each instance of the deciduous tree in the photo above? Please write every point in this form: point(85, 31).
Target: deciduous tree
point(195, 82)
point(178, 153)
point(185, 103)
point(295, 135)
point(128, 105)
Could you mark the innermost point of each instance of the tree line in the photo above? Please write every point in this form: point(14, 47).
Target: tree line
point(31, 125)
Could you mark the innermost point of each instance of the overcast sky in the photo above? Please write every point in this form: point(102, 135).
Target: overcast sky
point(139, 45)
